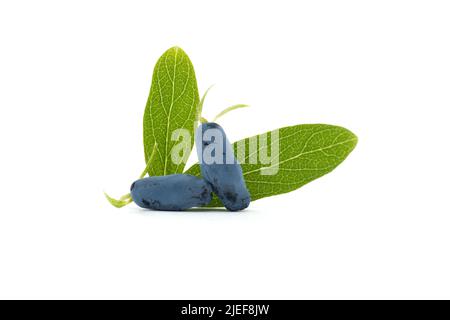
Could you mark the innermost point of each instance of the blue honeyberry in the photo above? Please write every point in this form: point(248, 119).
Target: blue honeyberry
point(220, 168)
point(174, 192)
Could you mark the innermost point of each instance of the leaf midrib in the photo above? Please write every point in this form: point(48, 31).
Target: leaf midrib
point(285, 138)
point(302, 154)
point(170, 108)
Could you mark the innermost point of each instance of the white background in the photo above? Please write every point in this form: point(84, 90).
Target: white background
point(74, 80)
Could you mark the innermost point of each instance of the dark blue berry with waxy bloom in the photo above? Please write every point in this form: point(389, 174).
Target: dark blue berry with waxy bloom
point(220, 168)
point(174, 192)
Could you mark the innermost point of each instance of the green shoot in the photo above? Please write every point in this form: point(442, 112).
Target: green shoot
point(126, 199)
point(225, 111)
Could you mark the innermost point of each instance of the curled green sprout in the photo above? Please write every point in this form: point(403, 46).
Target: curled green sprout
point(126, 199)
point(220, 114)
point(226, 110)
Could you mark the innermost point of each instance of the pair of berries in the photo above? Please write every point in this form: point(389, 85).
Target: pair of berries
point(221, 172)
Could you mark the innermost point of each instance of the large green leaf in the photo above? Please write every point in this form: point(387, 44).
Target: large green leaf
point(172, 105)
point(306, 152)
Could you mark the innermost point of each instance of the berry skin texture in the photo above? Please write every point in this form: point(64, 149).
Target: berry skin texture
point(220, 168)
point(176, 192)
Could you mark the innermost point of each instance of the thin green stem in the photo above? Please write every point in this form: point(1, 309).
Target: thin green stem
point(149, 162)
point(200, 104)
point(126, 199)
point(225, 111)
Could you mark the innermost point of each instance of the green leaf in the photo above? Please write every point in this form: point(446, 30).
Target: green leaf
point(306, 152)
point(171, 105)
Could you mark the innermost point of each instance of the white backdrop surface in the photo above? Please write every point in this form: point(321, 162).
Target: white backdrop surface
point(74, 80)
